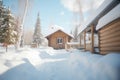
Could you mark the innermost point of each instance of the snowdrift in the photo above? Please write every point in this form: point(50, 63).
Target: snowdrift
point(50, 64)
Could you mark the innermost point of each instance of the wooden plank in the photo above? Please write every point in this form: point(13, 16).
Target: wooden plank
point(88, 29)
point(99, 41)
point(80, 39)
point(85, 40)
point(114, 39)
point(92, 38)
point(110, 31)
point(106, 52)
point(110, 48)
point(88, 47)
point(109, 27)
point(110, 36)
point(115, 44)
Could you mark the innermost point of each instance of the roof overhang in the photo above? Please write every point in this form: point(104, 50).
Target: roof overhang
point(107, 6)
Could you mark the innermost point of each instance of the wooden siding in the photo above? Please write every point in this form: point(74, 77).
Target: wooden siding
point(53, 40)
point(85, 40)
point(92, 38)
point(109, 37)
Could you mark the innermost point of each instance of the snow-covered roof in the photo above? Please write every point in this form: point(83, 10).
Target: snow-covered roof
point(55, 28)
point(112, 15)
point(96, 13)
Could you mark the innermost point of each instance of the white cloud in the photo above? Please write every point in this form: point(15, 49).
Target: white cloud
point(98, 3)
point(69, 4)
point(62, 13)
point(86, 5)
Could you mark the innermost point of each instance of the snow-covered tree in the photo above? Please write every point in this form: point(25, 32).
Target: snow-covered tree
point(37, 36)
point(8, 34)
point(75, 34)
point(18, 30)
point(21, 15)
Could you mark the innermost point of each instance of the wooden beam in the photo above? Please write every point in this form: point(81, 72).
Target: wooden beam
point(110, 26)
point(108, 51)
point(112, 30)
point(99, 41)
point(110, 48)
point(114, 39)
point(85, 40)
point(110, 44)
point(88, 29)
point(92, 38)
point(80, 40)
point(110, 36)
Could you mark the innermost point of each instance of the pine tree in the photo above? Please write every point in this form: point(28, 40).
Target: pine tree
point(37, 36)
point(8, 34)
point(75, 33)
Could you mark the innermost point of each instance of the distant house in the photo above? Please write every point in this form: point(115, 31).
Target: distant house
point(57, 38)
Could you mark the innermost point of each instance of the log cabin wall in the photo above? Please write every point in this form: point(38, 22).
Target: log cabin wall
point(53, 40)
point(109, 37)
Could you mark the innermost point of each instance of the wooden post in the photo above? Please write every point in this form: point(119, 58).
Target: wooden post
point(80, 40)
point(92, 38)
point(99, 42)
point(65, 46)
point(85, 40)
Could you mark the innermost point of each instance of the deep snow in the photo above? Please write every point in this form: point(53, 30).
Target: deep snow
point(49, 64)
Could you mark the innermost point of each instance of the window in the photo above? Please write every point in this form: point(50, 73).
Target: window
point(59, 40)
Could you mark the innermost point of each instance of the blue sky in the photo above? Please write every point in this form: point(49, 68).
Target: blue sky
point(58, 12)
point(51, 12)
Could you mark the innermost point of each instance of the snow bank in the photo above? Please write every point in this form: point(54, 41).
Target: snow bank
point(95, 67)
point(50, 64)
point(108, 67)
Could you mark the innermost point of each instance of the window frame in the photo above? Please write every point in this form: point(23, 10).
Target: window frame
point(59, 40)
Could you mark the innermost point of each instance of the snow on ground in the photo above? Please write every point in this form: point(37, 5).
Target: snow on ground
point(49, 64)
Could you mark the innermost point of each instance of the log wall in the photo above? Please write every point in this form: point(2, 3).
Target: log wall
point(109, 37)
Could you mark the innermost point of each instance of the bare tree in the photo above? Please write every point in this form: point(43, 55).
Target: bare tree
point(75, 34)
point(78, 18)
point(23, 6)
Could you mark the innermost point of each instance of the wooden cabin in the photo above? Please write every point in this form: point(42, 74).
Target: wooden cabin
point(58, 38)
point(89, 27)
point(109, 31)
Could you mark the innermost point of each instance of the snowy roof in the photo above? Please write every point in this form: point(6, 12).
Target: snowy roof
point(55, 28)
point(95, 14)
point(112, 15)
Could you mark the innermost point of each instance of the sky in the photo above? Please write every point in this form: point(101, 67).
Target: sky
point(52, 12)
